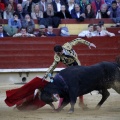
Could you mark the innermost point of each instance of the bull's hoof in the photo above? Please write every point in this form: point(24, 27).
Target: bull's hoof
point(57, 110)
point(83, 106)
point(97, 107)
point(15, 108)
point(70, 111)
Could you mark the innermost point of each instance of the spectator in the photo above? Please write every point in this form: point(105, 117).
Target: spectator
point(50, 17)
point(49, 1)
point(50, 31)
point(100, 32)
point(96, 5)
point(77, 12)
point(23, 33)
point(13, 4)
point(30, 29)
point(2, 32)
point(1, 15)
point(2, 8)
point(118, 3)
point(57, 5)
point(64, 31)
point(49, 12)
point(63, 14)
point(15, 21)
point(114, 10)
point(36, 1)
point(27, 6)
point(19, 1)
point(4, 2)
point(101, 22)
point(8, 13)
point(43, 5)
point(28, 22)
point(108, 2)
point(71, 4)
point(87, 33)
point(104, 10)
point(21, 13)
point(89, 13)
point(16, 1)
point(82, 3)
point(37, 13)
point(41, 32)
point(117, 23)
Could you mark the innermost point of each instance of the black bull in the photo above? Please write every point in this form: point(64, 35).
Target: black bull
point(75, 81)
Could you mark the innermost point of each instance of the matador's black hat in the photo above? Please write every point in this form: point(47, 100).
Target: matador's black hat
point(58, 48)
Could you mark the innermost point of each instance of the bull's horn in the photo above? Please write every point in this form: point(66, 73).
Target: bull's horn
point(37, 92)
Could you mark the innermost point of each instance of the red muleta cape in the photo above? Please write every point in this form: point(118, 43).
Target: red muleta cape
point(23, 97)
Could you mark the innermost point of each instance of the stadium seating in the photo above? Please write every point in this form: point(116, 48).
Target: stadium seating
point(73, 25)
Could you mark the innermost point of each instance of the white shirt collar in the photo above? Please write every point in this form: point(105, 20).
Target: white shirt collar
point(58, 6)
point(1, 34)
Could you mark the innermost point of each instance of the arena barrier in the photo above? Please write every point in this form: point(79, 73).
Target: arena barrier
point(23, 56)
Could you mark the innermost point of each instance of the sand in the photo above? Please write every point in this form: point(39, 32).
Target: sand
point(110, 110)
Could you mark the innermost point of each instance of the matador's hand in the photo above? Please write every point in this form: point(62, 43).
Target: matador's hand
point(92, 45)
point(45, 76)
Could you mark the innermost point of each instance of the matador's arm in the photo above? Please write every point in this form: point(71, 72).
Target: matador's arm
point(53, 66)
point(77, 41)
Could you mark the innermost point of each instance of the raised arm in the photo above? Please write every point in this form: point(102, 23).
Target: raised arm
point(109, 33)
point(80, 40)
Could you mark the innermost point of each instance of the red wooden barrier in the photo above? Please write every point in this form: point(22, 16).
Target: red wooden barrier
point(38, 52)
point(72, 21)
point(114, 30)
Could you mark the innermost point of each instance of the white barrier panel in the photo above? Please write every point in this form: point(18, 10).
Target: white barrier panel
point(22, 75)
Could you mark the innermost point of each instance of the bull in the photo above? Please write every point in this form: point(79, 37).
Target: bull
point(75, 81)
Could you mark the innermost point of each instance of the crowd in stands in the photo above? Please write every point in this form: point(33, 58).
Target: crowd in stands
point(22, 13)
point(96, 30)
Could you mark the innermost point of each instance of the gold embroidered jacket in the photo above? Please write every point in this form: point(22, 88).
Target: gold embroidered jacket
point(69, 56)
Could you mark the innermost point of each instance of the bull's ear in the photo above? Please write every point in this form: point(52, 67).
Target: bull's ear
point(37, 92)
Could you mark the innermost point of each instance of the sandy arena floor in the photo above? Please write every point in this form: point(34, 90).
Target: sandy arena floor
point(109, 111)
